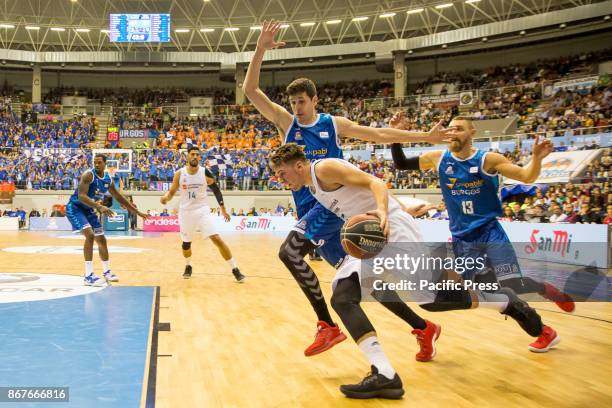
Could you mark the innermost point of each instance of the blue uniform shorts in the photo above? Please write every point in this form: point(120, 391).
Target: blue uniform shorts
point(81, 218)
point(491, 242)
point(322, 227)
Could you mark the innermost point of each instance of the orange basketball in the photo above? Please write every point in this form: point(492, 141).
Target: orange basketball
point(362, 236)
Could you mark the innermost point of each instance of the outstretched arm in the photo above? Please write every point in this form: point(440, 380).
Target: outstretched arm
point(347, 128)
point(426, 161)
point(270, 110)
point(495, 162)
point(124, 201)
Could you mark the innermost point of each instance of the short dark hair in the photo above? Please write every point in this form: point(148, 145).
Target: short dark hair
point(467, 119)
point(287, 153)
point(102, 156)
point(193, 148)
point(302, 85)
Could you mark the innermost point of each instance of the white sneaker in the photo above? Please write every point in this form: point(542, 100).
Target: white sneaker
point(110, 277)
point(93, 280)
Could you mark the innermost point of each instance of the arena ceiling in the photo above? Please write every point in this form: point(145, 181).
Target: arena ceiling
point(81, 25)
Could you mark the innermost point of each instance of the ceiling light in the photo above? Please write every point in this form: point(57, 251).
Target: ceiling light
point(443, 6)
point(485, 39)
point(284, 26)
point(32, 28)
point(606, 18)
point(182, 30)
point(7, 26)
point(105, 31)
point(410, 51)
point(359, 19)
point(201, 65)
point(333, 21)
point(82, 30)
point(308, 24)
point(562, 26)
point(118, 64)
point(3, 62)
point(415, 11)
point(90, 65)
point(340, 57)
point(58, 29)
point(207, 30)
point(444, 46)
point(174, 64)
point(367, 55)
point(522, 32)
point(471, 1)
point(256, 27)
point(386, 15)
point(282, 62)
point(63, 64)
point(310, 60)
point(231, 28)
point(146, 64)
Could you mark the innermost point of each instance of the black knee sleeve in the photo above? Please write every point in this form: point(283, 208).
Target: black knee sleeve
point(345, 301)
point(449, 300)
point(186, 246)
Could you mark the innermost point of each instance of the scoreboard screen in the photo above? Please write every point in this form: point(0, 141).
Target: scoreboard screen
point(140, 27)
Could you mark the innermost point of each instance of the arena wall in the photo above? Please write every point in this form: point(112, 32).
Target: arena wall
point(149, 200)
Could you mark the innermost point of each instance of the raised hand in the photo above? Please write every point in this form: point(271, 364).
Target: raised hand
point(438, 134)
point(266, 39)
point(541, 149)
point(398, 121)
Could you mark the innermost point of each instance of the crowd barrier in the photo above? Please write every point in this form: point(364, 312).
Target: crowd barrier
point(50, 224)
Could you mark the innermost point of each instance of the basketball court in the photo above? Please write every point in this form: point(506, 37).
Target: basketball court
point(155, 339)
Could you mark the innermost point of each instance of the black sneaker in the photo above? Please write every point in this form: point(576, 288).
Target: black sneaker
point(375, 385)
point(187, 273)
point(525, 315)
point(239, 277)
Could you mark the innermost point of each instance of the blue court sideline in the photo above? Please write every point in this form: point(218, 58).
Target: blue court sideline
point(96, 344)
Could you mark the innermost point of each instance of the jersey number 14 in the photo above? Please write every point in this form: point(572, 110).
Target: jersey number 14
point(192, 195)
point(468, 207)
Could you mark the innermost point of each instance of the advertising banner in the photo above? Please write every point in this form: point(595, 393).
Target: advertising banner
point(161, 224)
point(9, 223)
point(50, 224)
point(559, 167)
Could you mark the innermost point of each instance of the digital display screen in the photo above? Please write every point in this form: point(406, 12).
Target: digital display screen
point(139, 28)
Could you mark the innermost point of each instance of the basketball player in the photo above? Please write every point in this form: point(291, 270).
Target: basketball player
point(192, 180)
point(343, 189)
point(320, 134)
point(94, 185)
point(469, 180)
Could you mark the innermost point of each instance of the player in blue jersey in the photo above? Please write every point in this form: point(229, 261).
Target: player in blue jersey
point(94, 185)
point(469, 180)
point(320, 134)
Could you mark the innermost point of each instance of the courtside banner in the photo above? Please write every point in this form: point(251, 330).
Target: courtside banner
point(255, 224)
point(9, 223)
point(50, 224)
point(574, 244)
point(161, 224)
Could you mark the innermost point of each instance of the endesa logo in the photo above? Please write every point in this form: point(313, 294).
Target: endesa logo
point(261, 224)
point(560, 242)
point(162, 221)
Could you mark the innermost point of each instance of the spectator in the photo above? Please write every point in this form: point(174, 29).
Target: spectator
point(557, 215)
point(608, 218)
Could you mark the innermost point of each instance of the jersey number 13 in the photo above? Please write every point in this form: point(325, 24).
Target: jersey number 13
point(468, 207)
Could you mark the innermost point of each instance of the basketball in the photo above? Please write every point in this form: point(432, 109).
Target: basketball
point(362, 236)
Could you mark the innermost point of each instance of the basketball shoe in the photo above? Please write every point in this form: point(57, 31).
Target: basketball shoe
point(93, 280)
point(563, 300)
point(426, 338)
point(375, 385)
point(546, 341)
point(524, 315)
point(187, 273)
point(110, 277)
point(239, 276)
point(327, 337)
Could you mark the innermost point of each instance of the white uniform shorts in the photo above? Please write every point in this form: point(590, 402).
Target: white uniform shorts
point(191, 221)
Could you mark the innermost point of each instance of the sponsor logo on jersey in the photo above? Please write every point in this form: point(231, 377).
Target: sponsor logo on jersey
point(298, 135)
point(467, 188)
point(559, 242)
point(473, 170)
point(449, 170)
point(316, 153)
point(324, 135)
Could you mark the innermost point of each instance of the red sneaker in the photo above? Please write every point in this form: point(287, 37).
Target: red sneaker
point(327, 337)
point(427, 341)
point(547, 339)
point(563, 300)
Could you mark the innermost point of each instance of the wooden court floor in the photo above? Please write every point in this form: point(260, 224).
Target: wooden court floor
point(233, 345)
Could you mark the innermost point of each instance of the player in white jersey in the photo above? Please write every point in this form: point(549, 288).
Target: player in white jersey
point(194, 213)
point(347, 191)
